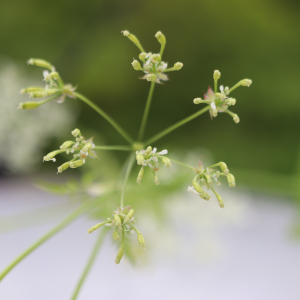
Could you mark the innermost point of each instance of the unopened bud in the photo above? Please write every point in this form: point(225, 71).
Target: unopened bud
point(224, 168)
point(236, 118)
point(50, 155)
point(133, 39)
point(231, 180)
point(140, 176)
point(208, 179)
point(66, 145)
point(115, 235)
point(140, 158)
point(117, 219)
point(29, 105)
point(166, 161)
point(136, 65)
point(63, 167)
point(76, 132)
point(148, 150)
point(87, 147)
point(151, 77)
point(197, 100)
point(226, 90)
point(119, 255)
point(141, 240)
point(31, 89)
point(161, 38)
point(129, 216)
point(246, 82)
point(197, 187)
point(142, 56)
point(231, 101)
point(90, 230)
point(76, 163)
point(156, 57)
point(220, 200)
point(178, 66)
point(40, 63)
point(217, 75)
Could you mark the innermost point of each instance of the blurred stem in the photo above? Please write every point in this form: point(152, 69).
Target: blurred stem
point(89, 263)
point(216, 85)
point(105, 116)
point(120, 148)
point(73, 216)
point(175, 126)
point(234, 87)
point(128, 170)
point(146, 112)
point(182, 164)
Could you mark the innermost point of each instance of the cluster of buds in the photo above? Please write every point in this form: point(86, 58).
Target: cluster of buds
point(206, 177)
point(55, 89)
point(153, 65)
point(80, 149)
point(149, 158)
point(219, 101)
point(123, 222)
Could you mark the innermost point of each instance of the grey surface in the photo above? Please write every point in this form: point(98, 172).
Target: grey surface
point(240, 253)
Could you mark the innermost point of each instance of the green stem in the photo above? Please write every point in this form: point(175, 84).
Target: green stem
point(234, 87)
point(216, 86)
point(49, 99)
point(120, 148)
point(129, 167)
point(146, 112)
point(69, 219)
point(175, 126)
point(105, 116)
point(162, 48)
point(182, 164)
point(89, 264)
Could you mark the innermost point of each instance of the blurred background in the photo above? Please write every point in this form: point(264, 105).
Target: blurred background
point(259, 40)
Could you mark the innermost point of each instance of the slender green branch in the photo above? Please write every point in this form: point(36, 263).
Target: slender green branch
point(216, 85)
point(105, 116)
point(69, 219)
point(146, 112)
point(129, 167)
point(89, 263)
point(182, 164)
point(175, 126)
point(120, 148)
point(234, 87)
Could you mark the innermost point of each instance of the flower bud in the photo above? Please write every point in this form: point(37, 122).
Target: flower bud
point(141, 240)
point(133, 39)
point(197, 100)
point(119, 255)
point(90, 230)
point(50, 155)
point(178, 66)
point(217, 75)
point(224, 168)
point(156, 181)
point(226, 90)
point(151, 77)
point(40, 63)
point(129, 216)
point(197, 187)
point(63, 167)
point(231, 101)
point(66, 145)
point(156, 57)
point(31, 89)
point(115, 235)
point(231, 180)
point(220, 200)
point(148, 150)
point(136, 65)
point(29, 105)
point(39, 94)
point(166, 161)
point(246, 82)
point(161, 38)
point(76, 163)
point(87, 147)
point(140, 158)
point(236, 118)
point(140, 176)
point(208, 179)
point(76, 132)
point(117, 219)
point(142, 56)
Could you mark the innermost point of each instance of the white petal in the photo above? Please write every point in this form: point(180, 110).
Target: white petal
point(222, 88)
point(163, 152)
point(213, 105)
point(154, 150)
point(45, 73)
point(191, 189)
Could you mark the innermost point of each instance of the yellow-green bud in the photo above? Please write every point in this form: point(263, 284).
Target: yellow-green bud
point(39, 94)
point(224, 168)
point(142, 56)
point(231, 101)
point(50, 155)
point(166, 161)
point(117, 219)
point(40, 63)
point(90, 230)
point(151, 77)
point(119, 255)
point(140, 158)
point(32, 89)
point(236, 118)
point(156, 181)
point(140, 176)
point(76, 132)
point(115, 235)
point(137, 66)
point(220, 200)
point(87, 147)
point(246, 82)
point(129, 216)
point(29, 105)
point(226, 90)
point(178, 66)
point(66, 145)
point(141, 240)
point(208, 179)
point(217, 75)
point(161, 38)
point(133, 39)
point(156, 57)
point(148, 150)
point(231, 180)
point(197, 100)
point(76, 163)
point(63, 167)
